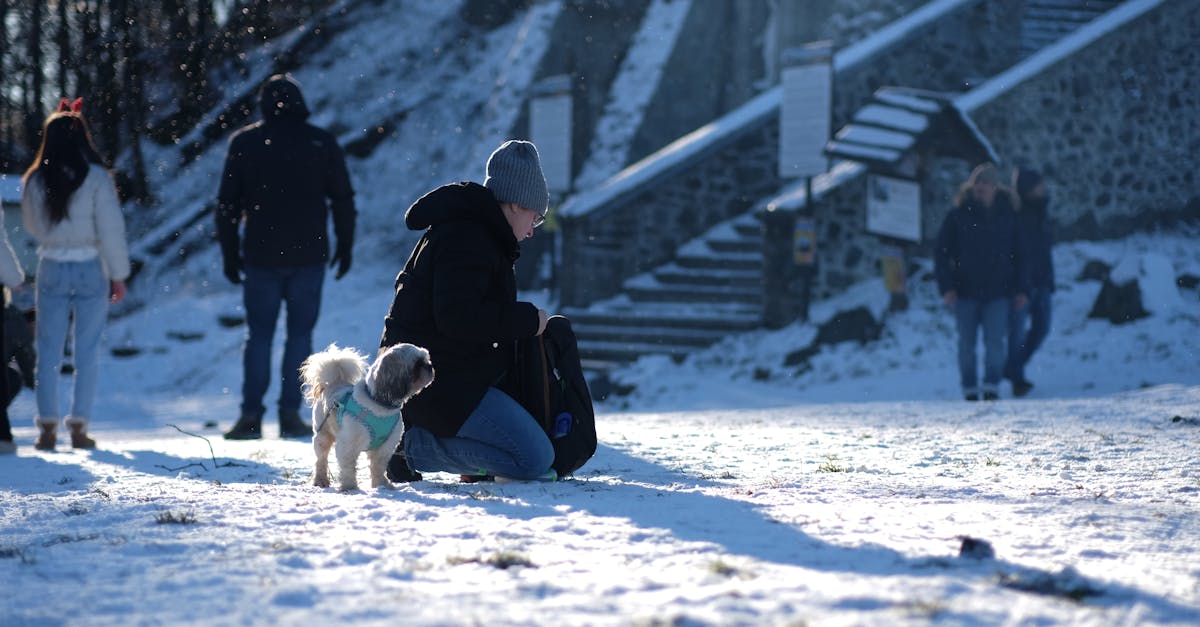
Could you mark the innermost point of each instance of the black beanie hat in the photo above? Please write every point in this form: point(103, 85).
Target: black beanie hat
point(1027, 179)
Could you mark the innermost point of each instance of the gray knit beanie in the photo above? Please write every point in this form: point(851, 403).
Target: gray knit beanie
point(514, 174)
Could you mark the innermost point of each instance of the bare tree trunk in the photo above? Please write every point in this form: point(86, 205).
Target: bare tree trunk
point(6, 134)
point(107, 113)
point(65, 61)
point(135, 104)
point(33, 100)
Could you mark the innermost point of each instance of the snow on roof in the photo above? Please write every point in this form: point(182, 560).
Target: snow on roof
point(908, 101)
point(860, 151)
point(726, 128)
point(858, 134)
point(1050, 55)
point(10, 188)
point(880, 115)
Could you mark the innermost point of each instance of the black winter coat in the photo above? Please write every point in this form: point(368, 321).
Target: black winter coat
point(1039, 239)
point(457, 297)
point(980, 252)
point(280, 175)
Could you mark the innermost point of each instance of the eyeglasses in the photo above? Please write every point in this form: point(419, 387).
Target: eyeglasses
point(539, 220)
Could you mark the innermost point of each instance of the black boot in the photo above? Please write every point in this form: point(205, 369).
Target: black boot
point(247, 428)
point(292, 426)
point(398, 470)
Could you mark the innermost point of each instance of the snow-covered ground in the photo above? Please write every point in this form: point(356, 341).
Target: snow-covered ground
point(837, 496)
point(728, 489)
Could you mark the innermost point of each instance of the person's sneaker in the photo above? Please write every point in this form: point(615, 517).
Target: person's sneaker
point(991, 396)
point(246, 428)
point(971, 397)
point(8, 447)
point(291, 425)
point(549, 475)
point(1021, 388)
point(398, 470)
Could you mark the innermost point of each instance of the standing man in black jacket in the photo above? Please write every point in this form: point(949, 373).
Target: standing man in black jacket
point(282, 179)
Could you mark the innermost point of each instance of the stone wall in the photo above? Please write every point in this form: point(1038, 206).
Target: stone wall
point(1115, 128)
point(644, 228)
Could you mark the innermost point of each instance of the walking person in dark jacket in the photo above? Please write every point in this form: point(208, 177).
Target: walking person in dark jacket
point(980, 272)
point(457, 297)
point(1028, 326)
point(283, 177)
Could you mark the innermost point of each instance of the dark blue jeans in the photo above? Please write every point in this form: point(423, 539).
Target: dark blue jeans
point(499, 438)
point(265, 290)
point(1024, 340)
point(991, 316)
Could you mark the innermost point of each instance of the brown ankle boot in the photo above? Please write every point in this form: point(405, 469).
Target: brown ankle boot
point(47, 437)
point(79, 437)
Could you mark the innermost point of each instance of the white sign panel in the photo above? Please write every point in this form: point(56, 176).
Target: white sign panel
point(550, 130)
point(804, 119)
point(894, 207)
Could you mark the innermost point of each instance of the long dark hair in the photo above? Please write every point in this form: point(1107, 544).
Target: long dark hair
point(63, 160)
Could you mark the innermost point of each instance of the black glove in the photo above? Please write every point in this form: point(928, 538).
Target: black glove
point(233, 269)
point(341, 259)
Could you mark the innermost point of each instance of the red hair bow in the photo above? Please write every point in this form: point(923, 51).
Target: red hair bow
point(67, 106)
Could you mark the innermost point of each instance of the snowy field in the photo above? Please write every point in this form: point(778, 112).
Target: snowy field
point(837, 496)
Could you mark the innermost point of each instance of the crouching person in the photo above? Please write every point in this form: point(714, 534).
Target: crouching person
point(457, 297)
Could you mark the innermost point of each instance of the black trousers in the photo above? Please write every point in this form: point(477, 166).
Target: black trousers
point(7, 391)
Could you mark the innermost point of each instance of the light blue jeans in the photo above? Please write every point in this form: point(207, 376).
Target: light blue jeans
point(499, 439)
point(992, 317)
point(66, 289)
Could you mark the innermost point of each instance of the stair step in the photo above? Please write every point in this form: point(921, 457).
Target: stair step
point(674, 274)
point(649, 334)
point(700, 294)
point(723, 317)
point(625, 352)
point(741, 245)
point(742, 261)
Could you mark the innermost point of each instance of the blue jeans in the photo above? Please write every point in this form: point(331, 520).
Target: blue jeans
point(265, 289)
point(992, 316)
point(1022, 341)
point(66, 289)
point(499, 438)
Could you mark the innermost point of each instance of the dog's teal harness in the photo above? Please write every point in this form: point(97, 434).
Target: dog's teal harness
point(380, 427)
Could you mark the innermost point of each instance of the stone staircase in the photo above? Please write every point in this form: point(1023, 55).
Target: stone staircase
point(713, 286)
point(1047, 21)
point(711, 289)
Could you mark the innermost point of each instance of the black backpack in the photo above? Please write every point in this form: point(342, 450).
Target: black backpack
point(548, 381)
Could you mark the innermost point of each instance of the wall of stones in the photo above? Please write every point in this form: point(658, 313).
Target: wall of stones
point(644, 228)
point(950, 55)
point(1115, 128)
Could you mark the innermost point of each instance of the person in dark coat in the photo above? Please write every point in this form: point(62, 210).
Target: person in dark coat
point(980, 268)
point(457, 297)
point(283, 178)
point(1028, 326)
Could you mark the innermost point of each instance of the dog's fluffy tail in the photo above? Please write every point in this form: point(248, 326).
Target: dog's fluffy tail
point(329, 369)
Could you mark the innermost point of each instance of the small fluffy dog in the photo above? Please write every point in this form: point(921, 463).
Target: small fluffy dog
point(358, 406)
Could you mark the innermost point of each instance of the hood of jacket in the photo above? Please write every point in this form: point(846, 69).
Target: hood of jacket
point(281, 100)
point(464, 202)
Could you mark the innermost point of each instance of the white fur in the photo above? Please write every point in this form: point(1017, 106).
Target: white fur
point(327, 375)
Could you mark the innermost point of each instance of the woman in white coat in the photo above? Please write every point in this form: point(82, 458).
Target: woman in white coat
point(70, 207)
